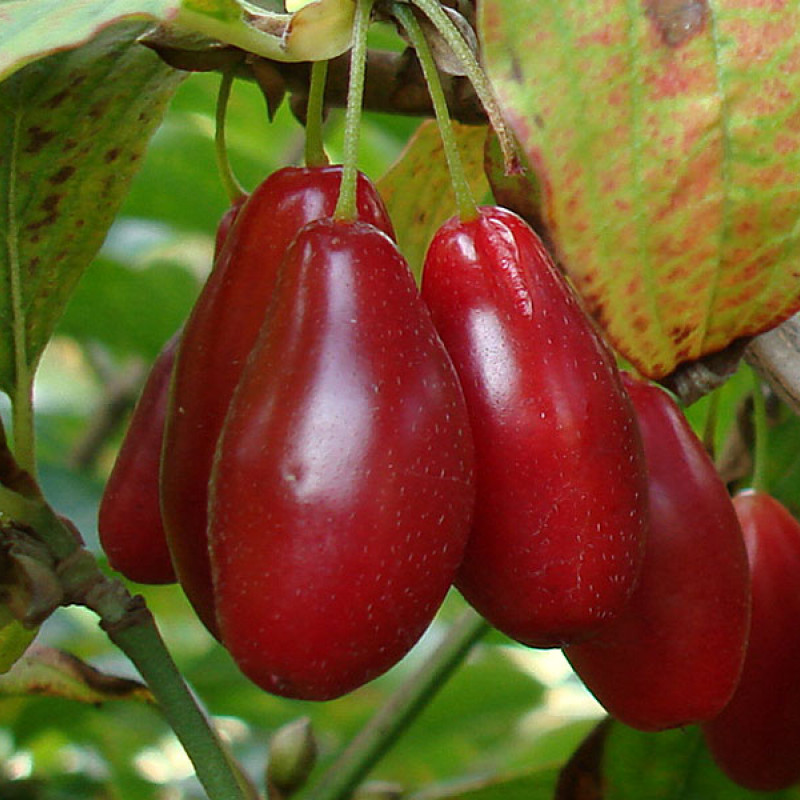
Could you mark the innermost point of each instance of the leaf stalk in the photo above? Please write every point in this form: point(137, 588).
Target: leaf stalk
point(346, 209)
point(378, 735)
point(480, 83)
point(231, 185)
point(464, 200)
point(315, 155)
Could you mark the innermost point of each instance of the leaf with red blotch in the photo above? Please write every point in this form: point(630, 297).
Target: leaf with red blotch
point(666, 139)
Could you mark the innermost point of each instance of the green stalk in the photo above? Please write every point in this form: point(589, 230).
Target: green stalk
point(448, 30)
point(232, 186)
point(315, 110)
point(761, 449)
point(22, 395)
point(377, 736)
point(346, 209)
point(143, 644)
point(130, 625)
point(464, 200)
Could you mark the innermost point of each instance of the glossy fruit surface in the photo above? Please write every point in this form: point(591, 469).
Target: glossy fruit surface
point(129, 523)
point(343, 484)
point(674, 655)
point(561, 492)
point(129, 520)
point(756, 738)
point(218, 337)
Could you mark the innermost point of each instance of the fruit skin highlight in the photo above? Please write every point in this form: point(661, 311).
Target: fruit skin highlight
point(674, 655)
point(218, 337)
point(756, 738)
point(343, 484)
point(561, 506)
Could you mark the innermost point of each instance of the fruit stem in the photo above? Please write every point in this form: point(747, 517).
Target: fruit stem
point(346, 208)
point(143, 644)
point(315, 145)
point(377, 736)
point(232, 186)
point(760, 452)
point(130, 625)
point(710, 425)
point(464, 200)
point(450, 33)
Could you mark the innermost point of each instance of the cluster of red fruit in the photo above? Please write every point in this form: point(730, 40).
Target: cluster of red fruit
point(325, 450)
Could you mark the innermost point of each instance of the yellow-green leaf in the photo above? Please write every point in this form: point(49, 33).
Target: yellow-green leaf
point(666, 138)
point(32, 29)
point(417, 187)
point(56, 673)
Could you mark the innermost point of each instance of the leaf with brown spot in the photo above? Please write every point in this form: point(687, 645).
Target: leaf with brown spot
point(56, 673)
point(417, 187)
point(666, 139)
point(71, 126)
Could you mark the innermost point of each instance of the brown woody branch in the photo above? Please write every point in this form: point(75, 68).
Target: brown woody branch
point(394, 82)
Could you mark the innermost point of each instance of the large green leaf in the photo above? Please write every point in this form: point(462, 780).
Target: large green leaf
point(31, 29)
point(72, 131)
point(666, 139)
point(618, 763)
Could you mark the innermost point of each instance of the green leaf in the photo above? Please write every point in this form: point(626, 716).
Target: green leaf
point(222, 10)
point(72, 131)
point(56, 673)
point(673, 765)
point(665, 140)
point(417, 187)
point(538, 785)
point(14, 639)
point(32, 29)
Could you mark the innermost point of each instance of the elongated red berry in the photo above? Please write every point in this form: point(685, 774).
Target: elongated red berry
point(129, 520)
point(674, 655)
point(217, 341)
point(561, 507)
point(129, 524)
point(756, 738)
point(343, 484)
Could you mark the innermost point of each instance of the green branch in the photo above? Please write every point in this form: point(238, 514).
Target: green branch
point(130, 625)
point(378, 735)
